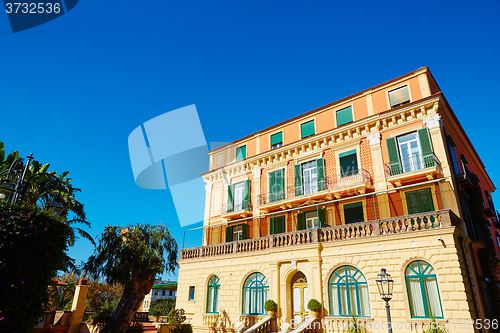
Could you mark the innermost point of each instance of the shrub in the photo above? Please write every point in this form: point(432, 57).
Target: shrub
point(184, 328)
point(314, 305)
point(270, 305)
point(135, 328)
point(155, 312)
point(164, 305)
point(176, 316)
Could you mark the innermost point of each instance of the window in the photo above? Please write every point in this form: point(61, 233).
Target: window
point(344, 116)
point(236, 232)
point(191, 293)
point(399, 96)
point(353, 212)
point(255, 293)
point(348, 293)
point(213, 295)
point(238, 196)
point(277, 185)
point(310, 177)
point(419, 201)
point(348, 162)
point(241, 153)
point(453, 157)
point(277, 225)
point(423, 292)
point(156, 293)
point(312, 219)
point(410, 152)
point(170, 293)
point(276, 140)
point(307, 129)
point(163, 292)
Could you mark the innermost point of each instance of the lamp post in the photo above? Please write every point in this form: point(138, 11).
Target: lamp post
point(13, 187)
point(385, 285)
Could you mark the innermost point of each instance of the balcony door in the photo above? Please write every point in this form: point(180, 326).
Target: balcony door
point(239, 194)
point(409, 148)
point(310, 177)
point(299, 298)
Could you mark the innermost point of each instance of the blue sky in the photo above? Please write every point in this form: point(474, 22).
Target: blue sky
point(73, 89)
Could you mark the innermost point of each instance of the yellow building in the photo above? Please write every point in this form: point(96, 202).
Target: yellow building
point(314, 207)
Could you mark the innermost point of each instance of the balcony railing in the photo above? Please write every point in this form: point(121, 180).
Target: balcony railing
point(489, 209)
point(361, 230)
point(329, 183)
point(462, 174)
point(236, 206)
point(410, 164)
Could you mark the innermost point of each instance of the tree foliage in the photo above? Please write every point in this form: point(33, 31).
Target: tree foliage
point(32, 250)
point(163, 306)
point(133, 257)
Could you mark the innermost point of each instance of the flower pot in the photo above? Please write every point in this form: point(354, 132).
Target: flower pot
point(92, 321)
point(270, 313)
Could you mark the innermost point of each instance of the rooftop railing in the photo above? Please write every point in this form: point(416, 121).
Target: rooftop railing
point(361, 230)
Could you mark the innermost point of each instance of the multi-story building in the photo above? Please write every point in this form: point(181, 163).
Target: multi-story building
point(160, 290)
point(315, 206)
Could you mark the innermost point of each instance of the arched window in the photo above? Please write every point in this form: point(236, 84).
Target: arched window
point(348, 292)
point(423, 291)
point(255, 293)
point(213, 295)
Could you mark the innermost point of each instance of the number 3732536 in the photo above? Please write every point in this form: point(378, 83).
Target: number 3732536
point(32, 8)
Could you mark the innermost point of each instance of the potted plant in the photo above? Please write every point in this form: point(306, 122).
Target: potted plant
point(92, 317)
point(271, 307)
point(314, 307)
point(156, 313)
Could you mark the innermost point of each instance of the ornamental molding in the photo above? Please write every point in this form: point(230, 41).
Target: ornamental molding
point(308, 157)
point(280, 165)
point(334, 139)
point(208, 188)
point(374, 138)
point(256, 174)
point(432, 121)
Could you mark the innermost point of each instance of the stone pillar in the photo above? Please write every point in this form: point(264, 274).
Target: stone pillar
point(255, 192)
point(379, 179)
point(78, 307)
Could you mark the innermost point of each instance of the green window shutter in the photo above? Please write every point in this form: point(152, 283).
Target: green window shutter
point(241, 153)
point(412, 202)
point(277, 225)
point(426, 204)
point(280, 184)
point(272, 224)
point(393, 152)
point(229, 234)
point(272, 186)
point(320, 170)
point(230, 199)
point(244, 231)
point(344, 116)
point(322, 217)
point(353, 212)
point(348, 162)
point(426, 147)
point(246, 202)
point(276, 138)
point(307, 129)
point(298, 180)
point(301, 221)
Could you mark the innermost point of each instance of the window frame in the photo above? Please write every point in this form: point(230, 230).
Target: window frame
point(415, 189)
point(407, 85)
point(278, 144)
point(253, 292)
point(213, 284)
point(356, 285)
point(191, 293)
point(423, 289)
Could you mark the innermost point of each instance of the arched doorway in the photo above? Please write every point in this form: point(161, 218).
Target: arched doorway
point(299, 297)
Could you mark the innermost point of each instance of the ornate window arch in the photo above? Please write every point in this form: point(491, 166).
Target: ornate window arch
point(423, 291)
point(255, 293)
point(348, 293)
point(213, 295)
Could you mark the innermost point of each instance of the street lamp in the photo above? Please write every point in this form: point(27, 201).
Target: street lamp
point(385, 285)
point(13, 187)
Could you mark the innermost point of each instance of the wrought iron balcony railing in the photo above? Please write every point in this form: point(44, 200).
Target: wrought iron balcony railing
point(236, 206)
point(410, 164)
point(462, 174)
point(329, 183)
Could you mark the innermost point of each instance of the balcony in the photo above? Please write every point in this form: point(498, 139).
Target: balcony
point(238, 208)
point(489, 209)
point(354, 231)
point(414, 167)
point(462, 174)
point(336, 185)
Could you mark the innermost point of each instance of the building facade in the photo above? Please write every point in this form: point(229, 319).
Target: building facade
point(314, 207)
point(160, 290)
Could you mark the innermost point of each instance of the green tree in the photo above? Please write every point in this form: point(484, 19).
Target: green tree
point(133, 257)
point(162, 305)
point(32, 250)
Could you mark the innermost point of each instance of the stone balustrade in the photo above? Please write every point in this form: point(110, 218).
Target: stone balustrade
point(394, 225)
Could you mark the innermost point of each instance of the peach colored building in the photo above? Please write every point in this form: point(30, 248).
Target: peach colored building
point(315, 206)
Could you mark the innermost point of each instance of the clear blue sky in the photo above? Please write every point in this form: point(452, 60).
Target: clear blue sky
point(73, 89)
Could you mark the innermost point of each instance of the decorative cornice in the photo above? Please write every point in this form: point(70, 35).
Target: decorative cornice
point(332, 139)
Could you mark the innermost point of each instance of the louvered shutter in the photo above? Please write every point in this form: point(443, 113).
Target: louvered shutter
point(344, 116)
point(229, 234)
point(426, 147)
point(412, 202)
point(272, 184)
point(320, 171)
point(246, 202)
point(393, 152)
point(301, 221)
point(307, 129)
point(280, 184)
point(278, 225)
point(244, 231)
point(298, 180)
point(426, 204)
point(322, 218)
point(276, 138)
point(230, 199)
